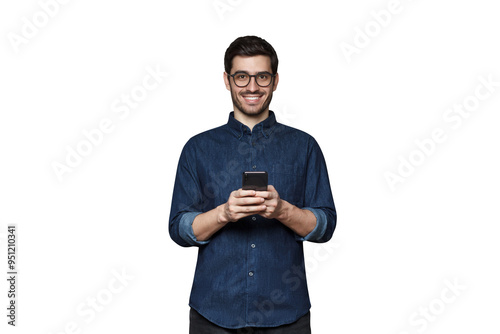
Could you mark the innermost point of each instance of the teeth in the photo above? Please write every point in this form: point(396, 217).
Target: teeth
point(251, 98)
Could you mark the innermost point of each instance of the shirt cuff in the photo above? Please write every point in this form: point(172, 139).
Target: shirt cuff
point(186, 229)
point(319, 229)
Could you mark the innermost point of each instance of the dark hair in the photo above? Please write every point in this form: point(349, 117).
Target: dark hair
point(250, 46)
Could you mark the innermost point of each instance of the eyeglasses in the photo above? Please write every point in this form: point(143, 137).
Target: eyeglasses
point(242, 79)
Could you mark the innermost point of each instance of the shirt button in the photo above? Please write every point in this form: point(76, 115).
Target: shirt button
point(250, 274)
point(252, 245)
point(254, 219)
point(254, 167)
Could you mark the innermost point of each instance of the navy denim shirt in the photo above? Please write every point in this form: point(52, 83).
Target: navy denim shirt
point(251, 273)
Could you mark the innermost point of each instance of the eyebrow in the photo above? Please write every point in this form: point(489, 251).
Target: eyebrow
point(239, 71)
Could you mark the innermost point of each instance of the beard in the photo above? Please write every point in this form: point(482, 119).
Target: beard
point(247, 111)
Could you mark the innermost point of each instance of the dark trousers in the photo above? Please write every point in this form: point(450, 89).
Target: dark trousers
point(199, 325)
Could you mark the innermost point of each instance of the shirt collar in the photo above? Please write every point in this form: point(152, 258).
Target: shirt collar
point(266, 126)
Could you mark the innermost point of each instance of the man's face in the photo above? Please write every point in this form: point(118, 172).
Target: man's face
point(251, 100)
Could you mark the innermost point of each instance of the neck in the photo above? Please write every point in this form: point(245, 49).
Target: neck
point(250, 120)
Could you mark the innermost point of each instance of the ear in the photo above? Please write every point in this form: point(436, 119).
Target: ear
point(226, 81)
point(276, 79)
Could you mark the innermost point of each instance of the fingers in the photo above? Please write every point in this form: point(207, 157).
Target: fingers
point(264, 194)
point(248, 210)
point(235, 212)
point(243, 193)
point(269, 194)
point(243, 203)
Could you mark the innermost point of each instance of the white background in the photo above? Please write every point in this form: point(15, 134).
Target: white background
point(393, 250)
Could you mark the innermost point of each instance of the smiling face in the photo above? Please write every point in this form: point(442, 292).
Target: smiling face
point(251, 101)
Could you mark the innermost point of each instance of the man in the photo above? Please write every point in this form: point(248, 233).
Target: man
point(250, 273)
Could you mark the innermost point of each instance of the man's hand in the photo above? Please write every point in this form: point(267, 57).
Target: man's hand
point(300, 221)
point(274, 204)
point(241, 203)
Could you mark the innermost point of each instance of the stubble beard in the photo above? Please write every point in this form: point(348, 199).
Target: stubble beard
point(239, 105)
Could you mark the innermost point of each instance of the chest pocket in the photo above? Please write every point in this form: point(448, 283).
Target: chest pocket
point(289, 181)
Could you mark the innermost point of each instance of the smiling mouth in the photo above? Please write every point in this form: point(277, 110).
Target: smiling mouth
point(252, 99)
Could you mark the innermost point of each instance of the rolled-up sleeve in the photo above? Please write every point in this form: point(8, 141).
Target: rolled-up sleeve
point(187, 200)
point(321, 225)
point(318, 196)
point(186, 229)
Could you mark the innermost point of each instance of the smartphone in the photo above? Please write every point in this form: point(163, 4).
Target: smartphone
point(254, 181)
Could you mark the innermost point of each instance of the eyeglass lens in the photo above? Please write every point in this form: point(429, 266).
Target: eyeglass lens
point(241, 79)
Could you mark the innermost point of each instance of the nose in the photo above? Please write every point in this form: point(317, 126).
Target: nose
point(252, 85)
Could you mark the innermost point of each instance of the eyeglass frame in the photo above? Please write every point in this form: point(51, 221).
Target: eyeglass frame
point(254, 76)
